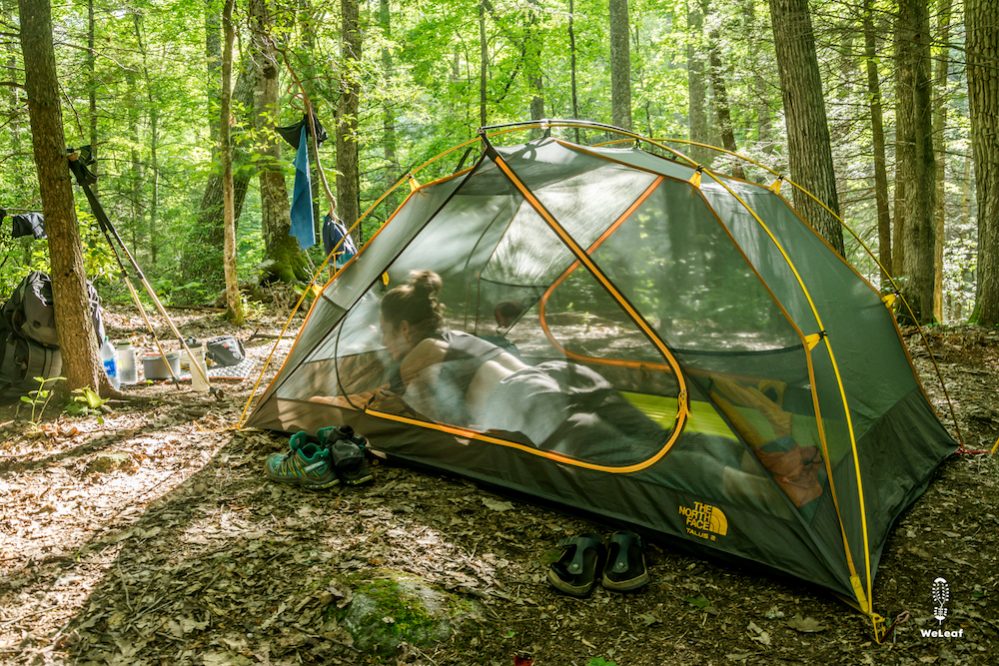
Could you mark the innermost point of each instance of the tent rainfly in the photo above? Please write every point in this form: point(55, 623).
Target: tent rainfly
point(691, 358)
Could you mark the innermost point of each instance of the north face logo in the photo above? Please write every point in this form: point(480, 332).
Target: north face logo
point(704, 521)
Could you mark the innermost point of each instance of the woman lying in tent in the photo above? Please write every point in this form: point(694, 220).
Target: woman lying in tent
point(460, 379)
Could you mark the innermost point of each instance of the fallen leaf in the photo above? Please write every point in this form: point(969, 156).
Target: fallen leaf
point(806, 625)
point(648, 619)
point(497, 505)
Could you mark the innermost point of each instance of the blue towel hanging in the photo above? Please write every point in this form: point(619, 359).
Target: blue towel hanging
point(303, 224)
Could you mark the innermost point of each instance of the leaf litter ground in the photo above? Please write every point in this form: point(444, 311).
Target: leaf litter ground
point(154, 538)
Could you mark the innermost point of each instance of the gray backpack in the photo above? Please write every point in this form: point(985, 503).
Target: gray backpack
point(29, 310)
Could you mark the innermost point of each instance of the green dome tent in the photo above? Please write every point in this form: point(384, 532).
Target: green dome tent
point(699, 363)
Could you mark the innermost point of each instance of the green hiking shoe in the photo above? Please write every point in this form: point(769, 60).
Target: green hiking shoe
point(306, 464)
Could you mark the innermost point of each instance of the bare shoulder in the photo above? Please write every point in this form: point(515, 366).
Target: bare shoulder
point(426, 353)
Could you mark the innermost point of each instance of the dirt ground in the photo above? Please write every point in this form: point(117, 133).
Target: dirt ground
point(154, 538)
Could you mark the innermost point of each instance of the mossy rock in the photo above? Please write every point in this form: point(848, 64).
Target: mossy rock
point(114, 461)
point(389, 607)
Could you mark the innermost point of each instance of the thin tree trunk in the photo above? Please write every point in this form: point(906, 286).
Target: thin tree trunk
point(983, 97)
point(483, 64)
point(388, 113)
point(135, 157)
point(878, 139)
point(620, 63)
point(572, 63)
point(532, 62)
point(940, 148)
point(154, 139)
point(285, 260)
point(761, 84)
point(91, 62)
point(720, 94)
point(77, 338)
point(234, 302)
point(697, 100)
point(202, 259)
point(13, 74)
point(213, 64)
point(348, 178)
point(916, 168)
point(809, 149)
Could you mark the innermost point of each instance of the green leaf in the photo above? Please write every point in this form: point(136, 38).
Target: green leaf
point(700, 601)
point(26, 399)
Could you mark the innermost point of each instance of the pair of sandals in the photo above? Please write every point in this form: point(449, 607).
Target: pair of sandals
point(621, 563)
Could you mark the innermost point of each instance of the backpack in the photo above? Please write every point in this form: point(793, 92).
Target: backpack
point(225, 351)
point(30, 312)
point(21, 360)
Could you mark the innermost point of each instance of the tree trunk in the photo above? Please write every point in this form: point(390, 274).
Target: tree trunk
point(809, 149)
point(154, 139)
point(202, 259)
point(348, 178)
point(620, 63)
point(91, 62)
point(483, 64)
point(878, 139)
point(983, 98)
point(135, 172)
point(282, 253)
point(940, 148)
point(532, 62)
point(388, 113)
point(572, 63)
point(77, 338)
point(697, 99)
point(916, 168)
point(720, 94)
point(233, 300)
point(213, 64)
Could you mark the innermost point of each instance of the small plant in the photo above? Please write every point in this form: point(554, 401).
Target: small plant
point(600, 661)
point(87, 402)
point(39, 398)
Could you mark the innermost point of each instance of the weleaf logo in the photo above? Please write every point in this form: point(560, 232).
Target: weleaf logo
point(704, 521)
point(941, 595)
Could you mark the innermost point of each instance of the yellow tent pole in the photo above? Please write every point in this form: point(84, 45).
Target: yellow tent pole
point(884, 270)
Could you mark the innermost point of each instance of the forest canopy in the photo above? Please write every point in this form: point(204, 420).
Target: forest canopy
point(397, 82)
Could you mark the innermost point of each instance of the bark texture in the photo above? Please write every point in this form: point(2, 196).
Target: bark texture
point(348, 178)
point(620, 61)
point(983, 95)
point(877, 137)
point(282, 253)
point(940, 147)
point(809, 150)
point(697, 97)
point(77, 338)
point(233, 300)
point(916, 170)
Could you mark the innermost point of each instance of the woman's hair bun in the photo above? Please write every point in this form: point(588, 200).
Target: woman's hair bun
point(426, 281)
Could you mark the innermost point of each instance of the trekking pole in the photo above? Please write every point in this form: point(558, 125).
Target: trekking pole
point(85, 178)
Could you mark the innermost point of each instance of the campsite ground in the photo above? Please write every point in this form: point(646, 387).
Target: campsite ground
point(153, 537)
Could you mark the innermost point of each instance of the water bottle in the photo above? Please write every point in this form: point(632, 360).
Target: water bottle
point(110, 364)
point(199, 369)
point(125, 359)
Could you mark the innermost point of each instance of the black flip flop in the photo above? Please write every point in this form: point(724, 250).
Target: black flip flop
point(575, 572)
point(625, 569)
